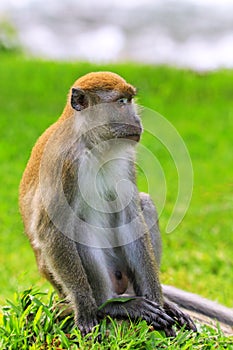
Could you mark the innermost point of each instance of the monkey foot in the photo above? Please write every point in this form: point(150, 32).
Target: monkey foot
point(138, 308)
point(181, 319)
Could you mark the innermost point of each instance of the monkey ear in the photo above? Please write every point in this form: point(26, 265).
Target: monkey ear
point(79, 99)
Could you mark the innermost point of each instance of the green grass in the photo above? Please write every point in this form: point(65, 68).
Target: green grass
point(31, 323)
point(197, 256)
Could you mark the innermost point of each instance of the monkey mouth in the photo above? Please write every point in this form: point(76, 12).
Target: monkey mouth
point(133, 137)
point(127, 131)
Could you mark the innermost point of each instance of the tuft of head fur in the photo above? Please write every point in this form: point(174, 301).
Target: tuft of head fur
point(99, 81)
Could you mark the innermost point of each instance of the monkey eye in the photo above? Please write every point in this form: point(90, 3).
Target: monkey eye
point(124, 100)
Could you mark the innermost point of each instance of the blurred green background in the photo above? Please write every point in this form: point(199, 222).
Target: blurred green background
point(197, 256)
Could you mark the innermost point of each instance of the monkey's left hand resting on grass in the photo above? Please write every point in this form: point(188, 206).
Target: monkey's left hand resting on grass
point(95, 237)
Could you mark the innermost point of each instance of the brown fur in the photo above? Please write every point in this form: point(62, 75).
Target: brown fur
point(104, 81)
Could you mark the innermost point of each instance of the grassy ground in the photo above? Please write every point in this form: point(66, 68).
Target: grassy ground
point(197, 256)
point(31, 324)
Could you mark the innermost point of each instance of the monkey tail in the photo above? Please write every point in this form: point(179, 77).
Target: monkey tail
point(198, 307)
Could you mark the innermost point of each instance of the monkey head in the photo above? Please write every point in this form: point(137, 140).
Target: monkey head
point(104, 100)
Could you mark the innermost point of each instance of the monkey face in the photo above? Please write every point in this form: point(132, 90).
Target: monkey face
point(127, 123)
point(107, 114)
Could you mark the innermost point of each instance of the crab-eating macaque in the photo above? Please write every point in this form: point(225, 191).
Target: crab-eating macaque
point(95, 237)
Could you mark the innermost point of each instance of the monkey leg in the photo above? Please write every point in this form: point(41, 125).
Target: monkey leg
point(44, 271)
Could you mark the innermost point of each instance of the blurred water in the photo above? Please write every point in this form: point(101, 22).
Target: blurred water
point(192, 33)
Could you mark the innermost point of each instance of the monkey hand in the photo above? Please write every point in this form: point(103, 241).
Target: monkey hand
point(181, 319)
point(137, 308)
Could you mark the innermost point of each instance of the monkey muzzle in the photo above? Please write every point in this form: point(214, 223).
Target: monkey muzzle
point(127, 131)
